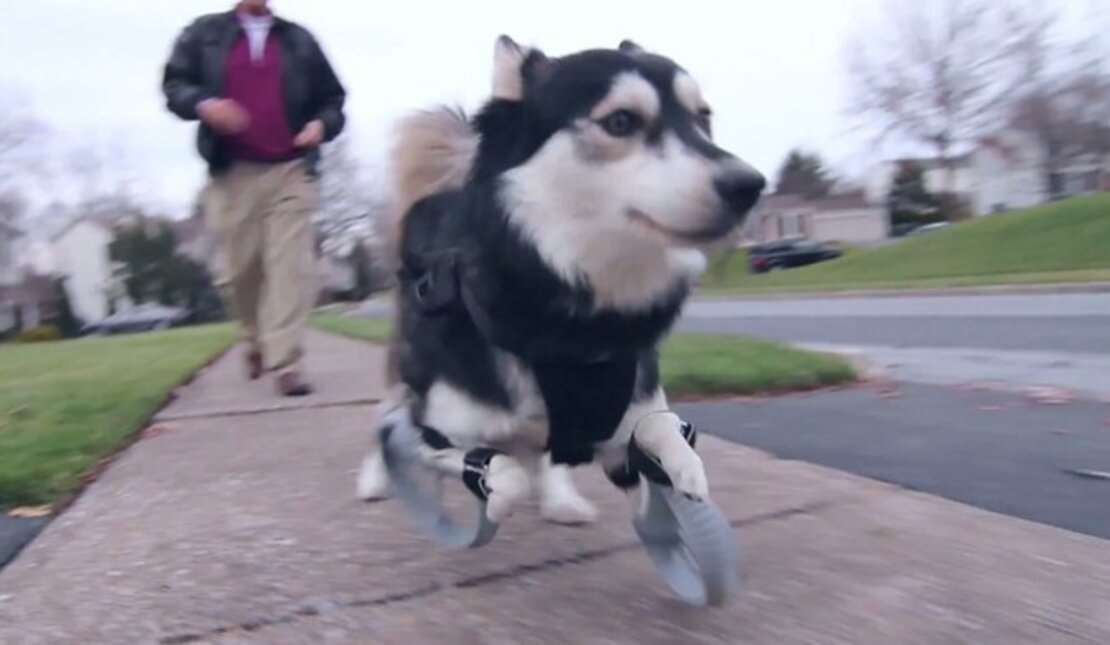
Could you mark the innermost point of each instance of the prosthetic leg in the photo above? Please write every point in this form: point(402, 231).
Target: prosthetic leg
point(685, 535)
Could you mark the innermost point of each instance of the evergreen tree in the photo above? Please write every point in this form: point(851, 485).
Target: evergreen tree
point(909, 202)
point(69, 325)
point(804, 174)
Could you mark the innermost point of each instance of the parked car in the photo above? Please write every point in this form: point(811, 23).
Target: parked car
point(144, 317)
point(786, 254)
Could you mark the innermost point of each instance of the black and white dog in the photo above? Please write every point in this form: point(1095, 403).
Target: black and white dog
point(545, 247)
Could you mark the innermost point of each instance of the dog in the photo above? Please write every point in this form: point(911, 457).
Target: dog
point(544, 247)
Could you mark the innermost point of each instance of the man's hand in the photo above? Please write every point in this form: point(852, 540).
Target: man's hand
point(224, 115)
point(311, 136)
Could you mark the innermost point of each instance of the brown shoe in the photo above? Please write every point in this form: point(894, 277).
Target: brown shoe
point(291, 384)
point(254, 365)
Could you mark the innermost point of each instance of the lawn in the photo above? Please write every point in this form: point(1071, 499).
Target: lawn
point(692, 365)
point(65, 406)
point(1062, 242)
point(360, 328)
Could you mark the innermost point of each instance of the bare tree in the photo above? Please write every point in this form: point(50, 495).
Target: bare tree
point(349, 198)
point(941, 73)
point(1064, 103)
point(19, 130)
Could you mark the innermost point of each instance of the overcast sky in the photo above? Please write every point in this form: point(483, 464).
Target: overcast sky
point(91, 68)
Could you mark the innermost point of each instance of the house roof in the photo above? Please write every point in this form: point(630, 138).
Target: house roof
point(843, 201)
point(852, 200)
point(779, 201)
point(34, 288)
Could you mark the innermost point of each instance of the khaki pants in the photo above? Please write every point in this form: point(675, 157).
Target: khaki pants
point(260, 218)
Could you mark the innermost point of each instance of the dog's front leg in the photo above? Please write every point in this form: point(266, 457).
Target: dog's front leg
point(658, 432)
point(660, 435)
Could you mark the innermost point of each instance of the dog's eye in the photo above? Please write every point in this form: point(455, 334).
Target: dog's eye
point(622, 123)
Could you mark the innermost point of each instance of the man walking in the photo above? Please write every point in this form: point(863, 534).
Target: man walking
point(266, 98)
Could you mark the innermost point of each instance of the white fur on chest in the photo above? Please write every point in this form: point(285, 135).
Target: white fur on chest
point(468, 423)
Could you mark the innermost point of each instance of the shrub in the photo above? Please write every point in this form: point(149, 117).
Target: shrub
point(40, 334)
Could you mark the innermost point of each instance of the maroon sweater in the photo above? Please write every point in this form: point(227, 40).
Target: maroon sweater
point(256, 85)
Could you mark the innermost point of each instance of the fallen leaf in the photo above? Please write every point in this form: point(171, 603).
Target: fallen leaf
point(1090, 474)
point(1049, 395)
point(29, 512)
point(156, 430)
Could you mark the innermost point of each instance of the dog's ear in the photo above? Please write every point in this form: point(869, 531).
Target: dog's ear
point(514, 67)
point(629, 47)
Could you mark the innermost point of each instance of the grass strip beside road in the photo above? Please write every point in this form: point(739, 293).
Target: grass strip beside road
point(65, 406)
point(1063, 242)
point(693, 365)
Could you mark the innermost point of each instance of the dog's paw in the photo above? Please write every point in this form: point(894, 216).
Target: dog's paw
point(660, 436)
point(560, 501)
point(688, 477)
point(509, 485)
point(568, 508)
point(373, 479)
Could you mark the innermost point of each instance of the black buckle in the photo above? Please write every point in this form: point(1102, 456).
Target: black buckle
point(475, 468)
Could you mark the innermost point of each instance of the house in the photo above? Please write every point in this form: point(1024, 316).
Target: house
point(80, 255)
point(9, 275)
point(1004, 171)
point(844, 217)
point(29, 303)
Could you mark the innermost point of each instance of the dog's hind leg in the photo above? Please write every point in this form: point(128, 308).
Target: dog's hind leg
point(560, 501)
point(373, 479)
point(372, 483)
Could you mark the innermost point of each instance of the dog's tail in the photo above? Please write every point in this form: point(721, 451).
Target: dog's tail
point(432, 151)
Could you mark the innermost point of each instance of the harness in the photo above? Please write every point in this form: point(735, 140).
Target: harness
point(585, 396)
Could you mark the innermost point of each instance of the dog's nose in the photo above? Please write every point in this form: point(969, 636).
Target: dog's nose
point(739, 187)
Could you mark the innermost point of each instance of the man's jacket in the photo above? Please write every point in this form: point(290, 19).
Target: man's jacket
point(195, 71)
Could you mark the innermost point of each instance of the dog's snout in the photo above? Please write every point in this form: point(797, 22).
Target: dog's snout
point(739, 186)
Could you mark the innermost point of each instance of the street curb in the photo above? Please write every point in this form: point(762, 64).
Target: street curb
point(1026, 289)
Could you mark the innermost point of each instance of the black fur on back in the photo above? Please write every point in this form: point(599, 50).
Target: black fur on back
point(590, 362)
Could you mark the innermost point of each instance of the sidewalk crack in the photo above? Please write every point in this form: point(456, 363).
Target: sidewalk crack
point(472, 582)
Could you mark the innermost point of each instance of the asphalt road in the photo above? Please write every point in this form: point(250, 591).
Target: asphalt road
point(1073, 323)
point(15, 533)
point(998, 451)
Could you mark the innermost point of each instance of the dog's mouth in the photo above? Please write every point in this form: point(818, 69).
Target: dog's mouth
point(687, 237)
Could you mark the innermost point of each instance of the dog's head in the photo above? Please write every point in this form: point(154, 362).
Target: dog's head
point(609, 151)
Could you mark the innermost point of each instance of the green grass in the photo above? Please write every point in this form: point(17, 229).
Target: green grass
point(372, 329)
point(64, 406)
point(707, 365)
point(692, 365)
point(1062, 242)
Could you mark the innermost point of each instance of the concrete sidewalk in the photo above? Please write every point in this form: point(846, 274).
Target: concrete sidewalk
point(237, 522)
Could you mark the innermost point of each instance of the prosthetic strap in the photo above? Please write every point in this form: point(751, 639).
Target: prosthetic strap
point(401, 444)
